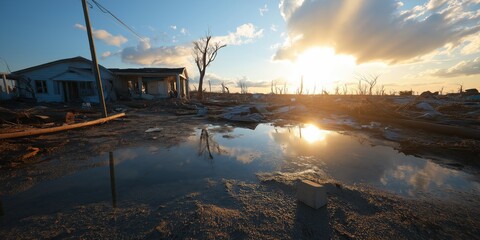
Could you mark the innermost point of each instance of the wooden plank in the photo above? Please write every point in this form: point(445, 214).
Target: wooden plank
point(60, 128)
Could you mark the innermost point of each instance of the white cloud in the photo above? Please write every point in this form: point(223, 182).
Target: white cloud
point(376, 30)
point(472, 45)
point(245, 33)
point(287, 7)
point(184, 31)
point(274, 28)
point(105, 36)
point(180, 55)
point(145, 54)
point(263, 10)
point(106, 54)
point(80, 26)
point(233, 83)
point(173, 27)
point(463, 68)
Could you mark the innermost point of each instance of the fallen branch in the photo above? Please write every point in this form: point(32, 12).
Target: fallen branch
point(60, 128)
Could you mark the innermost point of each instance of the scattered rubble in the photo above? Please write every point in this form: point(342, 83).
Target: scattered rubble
point(433, 125)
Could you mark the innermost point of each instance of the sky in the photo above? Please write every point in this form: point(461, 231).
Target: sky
point(414, 45)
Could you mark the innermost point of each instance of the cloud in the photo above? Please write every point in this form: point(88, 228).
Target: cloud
point(463, 68)
point(105, 36)
point(376, 30)
point(249, 83)
point(274, 28)
point(173, 27)
point(184, 31)
point(180, 55)
point(217, 80)
point(145, 54)
point(472, 45)
point(263, 10)
point(244, 34)
point(106, 54)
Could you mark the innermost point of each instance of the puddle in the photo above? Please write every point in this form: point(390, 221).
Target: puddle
point(150, 175)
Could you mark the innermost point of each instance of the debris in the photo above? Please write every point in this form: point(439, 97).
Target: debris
point(424, 106)
point(312, 194)
point(119, 109)
point(33, 152)
point(392, 135)
point(428, 94)
point(86, 105)
point(156, 129)
point(42, 117)
point(202, 111)
point(70, 118)
point(244, 113)
point(290, 109)
point(60, 128)
point(471, 91)
point(147, 96)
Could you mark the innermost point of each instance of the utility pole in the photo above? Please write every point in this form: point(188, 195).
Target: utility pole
point(96, 71)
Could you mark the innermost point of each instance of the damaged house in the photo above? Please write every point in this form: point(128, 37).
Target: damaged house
point(73, 80)
point(65, 80)
point(149, 83)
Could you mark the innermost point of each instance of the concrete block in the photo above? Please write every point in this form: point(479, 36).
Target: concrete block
point(312, 194)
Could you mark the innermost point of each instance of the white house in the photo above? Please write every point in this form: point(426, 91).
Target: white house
point(65, 80)
point(151, 82)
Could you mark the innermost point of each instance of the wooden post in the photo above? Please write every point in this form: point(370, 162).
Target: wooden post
point(4, 76)
point(96, 71)
point(112, 179)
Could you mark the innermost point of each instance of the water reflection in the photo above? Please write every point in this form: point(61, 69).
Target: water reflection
point(112, 179)
point(353, 160)
point(154, 174)
point(311, 133)
point(204, 144)
point(1, 208)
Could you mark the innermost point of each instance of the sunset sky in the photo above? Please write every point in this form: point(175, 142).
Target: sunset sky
point(411, 44)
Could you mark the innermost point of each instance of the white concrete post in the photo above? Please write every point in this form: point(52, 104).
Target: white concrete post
point(187, 88)
point(140, 85)
point(179, 93)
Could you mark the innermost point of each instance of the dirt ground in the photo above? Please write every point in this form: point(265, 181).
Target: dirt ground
point(232, 209)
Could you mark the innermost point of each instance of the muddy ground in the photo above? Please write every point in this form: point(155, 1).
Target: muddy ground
point(228, 208)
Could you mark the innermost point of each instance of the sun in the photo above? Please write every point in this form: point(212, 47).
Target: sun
point(322, 69)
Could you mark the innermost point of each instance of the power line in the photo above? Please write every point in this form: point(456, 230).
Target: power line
point(6, 63)
point(105, 10)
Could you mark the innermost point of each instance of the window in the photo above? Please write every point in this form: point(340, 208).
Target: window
point(41, 86)
point(86, 89)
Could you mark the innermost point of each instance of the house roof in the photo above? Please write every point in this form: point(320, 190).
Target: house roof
point(74, 59)
point(150, 71)
point(75, 74)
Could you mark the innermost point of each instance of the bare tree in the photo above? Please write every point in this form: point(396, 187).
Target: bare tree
point(300, 91)
point(380, 90)
point(361, 88)
point(345, 89)
point(370, 80)
point(243, 86)
point(225, 88)
point(204, 52)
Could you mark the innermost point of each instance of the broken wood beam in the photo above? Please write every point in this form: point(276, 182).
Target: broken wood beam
point(60, 128)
